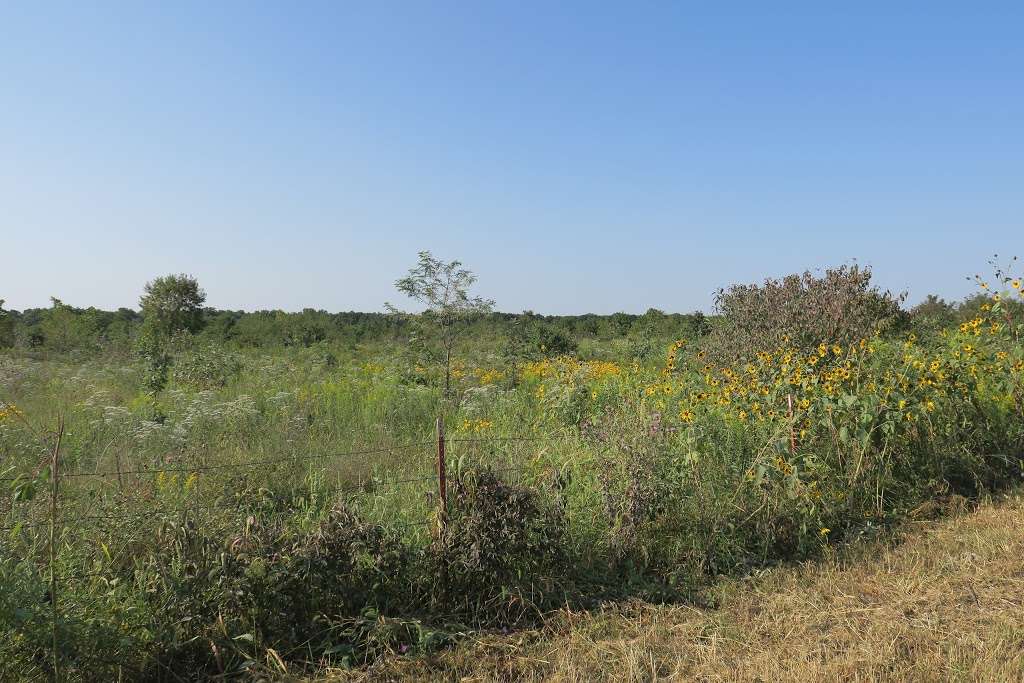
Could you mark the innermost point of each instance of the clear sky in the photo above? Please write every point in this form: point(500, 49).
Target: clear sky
point(578, 156)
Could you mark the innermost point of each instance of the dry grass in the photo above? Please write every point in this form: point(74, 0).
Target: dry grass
point(943, 602)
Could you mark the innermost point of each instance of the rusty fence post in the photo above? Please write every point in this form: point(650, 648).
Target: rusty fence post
point(442, 479)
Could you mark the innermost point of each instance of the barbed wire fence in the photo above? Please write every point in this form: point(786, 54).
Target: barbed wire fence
point(61, 522)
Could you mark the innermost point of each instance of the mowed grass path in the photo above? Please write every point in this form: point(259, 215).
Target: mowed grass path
point(942, 601)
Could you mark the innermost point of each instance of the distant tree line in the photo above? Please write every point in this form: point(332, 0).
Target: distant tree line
point(63, 328)
point(749, 316)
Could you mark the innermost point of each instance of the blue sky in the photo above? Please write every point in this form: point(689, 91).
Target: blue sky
point(577, 156)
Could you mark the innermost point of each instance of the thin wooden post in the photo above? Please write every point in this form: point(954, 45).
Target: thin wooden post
point(54, 492)
point(442, 478)
point(792, 430)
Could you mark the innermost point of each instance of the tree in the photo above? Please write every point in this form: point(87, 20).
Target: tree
point(699, 325)
point(443, 288)
point(6, 327)
point(932, 314)
point(65, 327)
point(171, 304)
point(528, 337)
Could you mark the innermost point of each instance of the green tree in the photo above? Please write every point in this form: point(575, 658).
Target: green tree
point(6, 327)
point(171, 305)
point(699, 325)
point(65, 327)
point(932, 314)
point(529, 338)
point(443, 289)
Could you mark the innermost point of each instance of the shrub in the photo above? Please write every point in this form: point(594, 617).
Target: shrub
point(801, 311)
point(206, 367)
point(222, 603)
point(502, 554)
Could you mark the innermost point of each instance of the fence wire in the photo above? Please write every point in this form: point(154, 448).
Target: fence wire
point(361, 485)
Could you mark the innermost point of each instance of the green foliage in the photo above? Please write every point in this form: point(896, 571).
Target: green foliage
point(933, 314)
point(276, 508)
point(222, 600)
point(171, 307)
point(6, 328)
point(443, 289)
point(65, 328)
point(531, 338)
point(502, 555)
point(171, 304)
point(206, 366)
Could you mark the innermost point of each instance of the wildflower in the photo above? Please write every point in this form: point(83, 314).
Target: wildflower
point(686, 415)
point(1015, 283)
point(8, 410)
point(824, 531)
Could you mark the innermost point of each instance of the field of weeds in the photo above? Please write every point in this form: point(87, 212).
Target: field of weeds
point(200, 507)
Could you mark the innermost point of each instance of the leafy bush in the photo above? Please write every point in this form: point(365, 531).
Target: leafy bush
point(206, 367)
point(841, 306)
point(222, 603)
point(502, 555)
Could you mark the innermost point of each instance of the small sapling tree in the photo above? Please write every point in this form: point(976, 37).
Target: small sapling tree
point(443, 289)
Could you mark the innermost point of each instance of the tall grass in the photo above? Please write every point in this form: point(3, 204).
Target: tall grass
point(278, 510)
